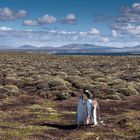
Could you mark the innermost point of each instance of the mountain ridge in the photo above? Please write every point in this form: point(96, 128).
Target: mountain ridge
point(76, 48)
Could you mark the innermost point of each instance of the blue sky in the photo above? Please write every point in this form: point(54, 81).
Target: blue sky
point(114, 23)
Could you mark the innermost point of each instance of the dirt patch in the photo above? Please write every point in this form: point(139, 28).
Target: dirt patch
point(32, 119)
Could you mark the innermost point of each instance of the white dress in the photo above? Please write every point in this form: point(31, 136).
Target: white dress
point(81, 111)
point(91, 110)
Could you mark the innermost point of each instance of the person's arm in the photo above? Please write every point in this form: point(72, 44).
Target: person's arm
point(98, 112)
point(96, 104)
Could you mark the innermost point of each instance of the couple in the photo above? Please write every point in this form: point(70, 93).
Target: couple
point(88, 111)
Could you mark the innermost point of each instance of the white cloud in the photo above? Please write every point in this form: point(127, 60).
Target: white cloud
point(128, 29)
point(136, 6)
point(105, 39)
point(53, 31)
point(46, 19)
point(5, 29)
point(21, 14)
point(9, 14)
point(69, 19)
point(114, 33)
point(130, 14)
point(64, 32)
point(30, 22)
point(133, 29)
point(82, 33)
point(94, 31)
point(75, 38)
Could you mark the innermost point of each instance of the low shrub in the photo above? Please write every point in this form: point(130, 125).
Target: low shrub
point(87, 72)
point(11, 88)
point(62, 75)
point(97, 75)
point(3, 92)
point(113, 97)
point(136, 75)
point(103, 79)
point(36, 108)
point(56, 82)
point(13, 81)
point(63, 96)
point(128, 91)
point(99, 85)
point(59, 88)
point(80, 82)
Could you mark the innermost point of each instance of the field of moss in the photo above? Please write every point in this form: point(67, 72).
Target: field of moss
point(39, 95)
point(61, 77)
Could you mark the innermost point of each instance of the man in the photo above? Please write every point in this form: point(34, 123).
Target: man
point(81, 111)
point(93, 108)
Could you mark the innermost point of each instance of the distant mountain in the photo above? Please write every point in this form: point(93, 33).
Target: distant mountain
point(46, 48)
point(27, 47)
point(131, 49)
point(2, 47)
point(30, 47)
point(138, 46)
point(93, 48)
point(75, 48)
point(84, 47)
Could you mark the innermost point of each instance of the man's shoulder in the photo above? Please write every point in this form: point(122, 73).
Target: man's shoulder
point(89, 100)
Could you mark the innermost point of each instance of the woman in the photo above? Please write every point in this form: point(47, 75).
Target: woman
point(93, 108)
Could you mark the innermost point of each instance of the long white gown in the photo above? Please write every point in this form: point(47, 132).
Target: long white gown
point(81, 111)
point(92, 113)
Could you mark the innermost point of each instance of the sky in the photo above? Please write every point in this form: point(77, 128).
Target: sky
point(112, 23)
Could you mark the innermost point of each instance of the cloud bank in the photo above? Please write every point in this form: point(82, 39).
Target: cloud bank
point(56, 38)
point(9, 14)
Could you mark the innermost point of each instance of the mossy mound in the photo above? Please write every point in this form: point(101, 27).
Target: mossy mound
point(63, 96)
point(128, 91)
point(11, 88)
point(3, 92)
point(56, 82)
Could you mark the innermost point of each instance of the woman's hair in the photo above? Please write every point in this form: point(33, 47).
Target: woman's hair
point(88, 94)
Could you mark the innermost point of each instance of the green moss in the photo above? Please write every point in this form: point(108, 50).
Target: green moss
point(56, 82)
point(62, 75)
point(97, 75)
point(120, 133)
point(22, 132)
point(36, 108)
point(95, 135)
point(80, 82)
point(63, 96)
point(99, 85)
point(47, 103)
point(128, 91)
point(134, 126)
point(11, 87)
point(113, 97)
point(131, 113)
point(53, 117)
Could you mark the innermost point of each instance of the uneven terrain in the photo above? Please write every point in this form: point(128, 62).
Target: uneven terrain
point(39, 95)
